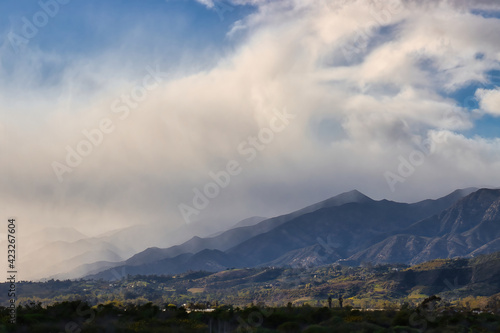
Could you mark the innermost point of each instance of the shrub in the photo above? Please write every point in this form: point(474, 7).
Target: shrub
point(316, 329)
point(289, 327)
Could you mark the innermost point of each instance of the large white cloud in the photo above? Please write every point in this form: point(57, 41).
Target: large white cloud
point(489, 100)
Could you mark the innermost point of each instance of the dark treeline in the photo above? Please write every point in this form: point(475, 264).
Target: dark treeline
point(78, 317)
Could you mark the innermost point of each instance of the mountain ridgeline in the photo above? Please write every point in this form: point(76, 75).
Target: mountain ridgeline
point(350, 228)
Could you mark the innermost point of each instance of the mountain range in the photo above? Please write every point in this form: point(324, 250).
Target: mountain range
point(469, 227)
point(53, 250)
point(350, 229)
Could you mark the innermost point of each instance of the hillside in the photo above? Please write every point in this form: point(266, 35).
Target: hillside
point(475, 279)
point(469, 227)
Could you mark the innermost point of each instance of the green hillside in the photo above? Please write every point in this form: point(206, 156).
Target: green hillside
point(366, 287)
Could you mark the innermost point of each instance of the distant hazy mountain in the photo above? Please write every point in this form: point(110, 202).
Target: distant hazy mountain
point(250, 221)
point(61, 256)
point(334, 229)
point(39, 238)
point(84, 269)
point(35, 239)
point(127, 241)
point(64, 252)
point(139, 237)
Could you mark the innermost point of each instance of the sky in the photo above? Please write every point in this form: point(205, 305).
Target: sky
point(118, 113)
